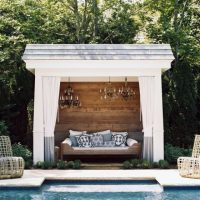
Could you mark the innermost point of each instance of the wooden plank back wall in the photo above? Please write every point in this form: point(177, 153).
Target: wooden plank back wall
point(96, 114)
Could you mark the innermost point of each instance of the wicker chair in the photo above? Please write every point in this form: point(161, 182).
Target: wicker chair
point(190, 166)
point(10, 167)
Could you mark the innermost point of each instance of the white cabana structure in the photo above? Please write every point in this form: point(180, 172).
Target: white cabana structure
point(52, 63)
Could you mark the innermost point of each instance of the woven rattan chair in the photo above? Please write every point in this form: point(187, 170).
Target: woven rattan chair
point(190, 166)
point(10, 167)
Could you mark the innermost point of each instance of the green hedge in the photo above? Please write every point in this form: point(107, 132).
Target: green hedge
point(173, 152)
point(23, 151)
point(3, 128)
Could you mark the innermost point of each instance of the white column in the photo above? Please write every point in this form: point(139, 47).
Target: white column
point(158, 131)
point(38, 129)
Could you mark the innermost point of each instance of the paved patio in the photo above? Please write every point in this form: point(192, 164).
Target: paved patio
point(35, 178)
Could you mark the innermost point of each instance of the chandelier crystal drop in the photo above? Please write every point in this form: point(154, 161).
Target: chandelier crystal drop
point(126, 92)
point(68, 99)
point(108, 92)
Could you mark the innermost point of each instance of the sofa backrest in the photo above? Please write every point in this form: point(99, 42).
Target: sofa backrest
point(136, 136)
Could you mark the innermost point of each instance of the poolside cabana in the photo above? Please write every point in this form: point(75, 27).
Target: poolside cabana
point(54, 63)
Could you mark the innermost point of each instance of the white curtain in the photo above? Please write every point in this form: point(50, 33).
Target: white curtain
point(51, 89)
point(147, 99)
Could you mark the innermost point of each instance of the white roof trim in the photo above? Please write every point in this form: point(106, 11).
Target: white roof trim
point(97, 57)
point(97, 52)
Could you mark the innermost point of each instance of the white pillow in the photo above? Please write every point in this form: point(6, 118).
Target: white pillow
point(131, 142)
point(74, 133)
point(67, 141)
point(102, 132)
point(121, 133)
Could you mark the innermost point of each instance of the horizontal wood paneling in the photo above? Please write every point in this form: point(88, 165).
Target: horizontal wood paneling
point(96, 114)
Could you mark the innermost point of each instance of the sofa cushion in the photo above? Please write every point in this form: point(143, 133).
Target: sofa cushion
point(107, 136)
point(72, 136)
point(119, 138)
point(103, 149)
point(97, 140)
point(84, 140)
point(131, 142)
point(67, 141)
point(122, 133)
point(109, 143)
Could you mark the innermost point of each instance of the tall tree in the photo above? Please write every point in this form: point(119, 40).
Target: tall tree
point(50, 21)
point(175, 22)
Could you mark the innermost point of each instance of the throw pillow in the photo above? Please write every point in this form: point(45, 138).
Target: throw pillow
point(109, 143)
point(122, 133)
point(73, 134)
point(107, 136)
point(83, 140)
point(131, 142)
point(97, 140)
point(67, 141)
point(120, 139)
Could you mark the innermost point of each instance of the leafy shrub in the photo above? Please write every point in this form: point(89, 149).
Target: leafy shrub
point(172, 153)
point(23, 151)
point(146, 164)
point(28, 164)
point(140, 164)
point(70, 164)
point(163, 164)
point(61, 164)
point(39, 164)
point(3, 128)
point(126, 164)
point(77, 164)
point(135, 163)
point(155, 165)
point(46, 165)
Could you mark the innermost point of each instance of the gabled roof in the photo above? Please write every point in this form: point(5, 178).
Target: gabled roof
point(98, 52)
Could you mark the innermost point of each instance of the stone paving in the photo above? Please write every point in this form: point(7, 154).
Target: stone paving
point(35, 178)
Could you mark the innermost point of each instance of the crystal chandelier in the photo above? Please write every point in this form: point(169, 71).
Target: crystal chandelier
point(108, 92)
point(126, 92)
point(68, 99)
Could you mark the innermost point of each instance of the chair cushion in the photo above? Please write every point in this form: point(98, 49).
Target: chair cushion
point(97, 140)
point(84, 140)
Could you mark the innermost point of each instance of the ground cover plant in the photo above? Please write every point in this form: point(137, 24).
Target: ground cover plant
point(60, 164)
point(144, 164)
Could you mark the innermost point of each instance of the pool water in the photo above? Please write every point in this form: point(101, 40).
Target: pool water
point(100, 190)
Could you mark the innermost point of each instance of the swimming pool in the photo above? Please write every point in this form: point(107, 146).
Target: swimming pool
point(100, 190)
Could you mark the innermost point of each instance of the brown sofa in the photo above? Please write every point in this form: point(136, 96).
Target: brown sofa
point(133, 151)
point(67, 150)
